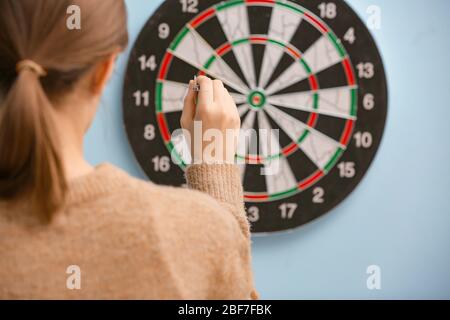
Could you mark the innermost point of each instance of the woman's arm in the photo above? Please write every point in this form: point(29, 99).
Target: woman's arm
point(214, 113)
point(223, 183)
point(212, 124)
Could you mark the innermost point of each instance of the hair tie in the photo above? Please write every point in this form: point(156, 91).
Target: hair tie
point(32, 66)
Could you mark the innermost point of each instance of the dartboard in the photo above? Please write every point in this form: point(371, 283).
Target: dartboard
point(307, 73)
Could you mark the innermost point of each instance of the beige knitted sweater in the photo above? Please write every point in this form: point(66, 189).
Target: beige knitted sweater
point(132, 239)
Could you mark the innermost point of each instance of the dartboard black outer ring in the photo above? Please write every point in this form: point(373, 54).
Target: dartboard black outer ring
point(336, 188)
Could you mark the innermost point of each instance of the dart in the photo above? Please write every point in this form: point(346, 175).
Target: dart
point(196, 85)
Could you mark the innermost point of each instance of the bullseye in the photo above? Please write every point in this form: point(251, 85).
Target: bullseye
point(257, 100)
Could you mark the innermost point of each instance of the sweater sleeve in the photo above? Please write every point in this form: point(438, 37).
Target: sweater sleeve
point(223, 183)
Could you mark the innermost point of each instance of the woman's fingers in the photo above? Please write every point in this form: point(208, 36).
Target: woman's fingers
point(217, 112)
point(223, 98)
point(206, 94)
point(189, 106)
point(219, 91)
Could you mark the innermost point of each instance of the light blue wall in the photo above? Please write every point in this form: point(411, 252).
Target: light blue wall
point(399, 217)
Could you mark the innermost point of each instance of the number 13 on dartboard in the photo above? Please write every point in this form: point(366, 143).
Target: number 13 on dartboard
point(306, 69)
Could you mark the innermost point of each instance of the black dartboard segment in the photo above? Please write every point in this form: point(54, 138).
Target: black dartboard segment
point(308, 69)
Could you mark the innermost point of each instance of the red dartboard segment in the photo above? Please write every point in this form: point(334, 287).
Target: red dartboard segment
point(202, 18)
point(321, 26)
point(313, 83)
point(305, 184)
point(163, 127)
point(260, 1)
point(294, 52)
point(349, 71)
point(261, 40)
point(249, 197)
point(346, 136)
point(164, 66)
point(313, 120)
point(290, 149)
point(224, 49)
point(254, 159)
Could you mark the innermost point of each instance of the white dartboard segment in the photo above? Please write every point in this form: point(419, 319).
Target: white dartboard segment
point(322, 55)
point(195, 50)
point(335, 102)
point(277, 172)
point(238, 98)
point(295, 73)
point(235, 25)
point(173, 96)
point(181, 146)
point(298, 101)
point(291, 126)
point(284, 23)
point(247, 139)
point(317, 146)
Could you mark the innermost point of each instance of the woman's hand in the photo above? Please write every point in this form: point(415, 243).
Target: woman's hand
point(212, 121)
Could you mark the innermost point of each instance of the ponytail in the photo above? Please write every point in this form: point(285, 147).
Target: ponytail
point(30, 162)
point(31, 166)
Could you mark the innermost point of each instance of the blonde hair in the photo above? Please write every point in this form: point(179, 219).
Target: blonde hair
point(33, 35)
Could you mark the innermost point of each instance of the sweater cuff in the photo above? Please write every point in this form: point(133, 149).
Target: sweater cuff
point(221, 181)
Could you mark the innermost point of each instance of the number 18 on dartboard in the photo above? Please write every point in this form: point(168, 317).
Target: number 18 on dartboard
point(308, 70)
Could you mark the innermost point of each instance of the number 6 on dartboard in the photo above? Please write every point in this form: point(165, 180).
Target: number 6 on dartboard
point(305, 73)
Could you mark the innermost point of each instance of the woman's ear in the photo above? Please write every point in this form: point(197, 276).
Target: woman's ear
point(102, 73)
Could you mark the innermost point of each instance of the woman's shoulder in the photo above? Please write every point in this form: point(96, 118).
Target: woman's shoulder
point(166, 212)
point(113, 186)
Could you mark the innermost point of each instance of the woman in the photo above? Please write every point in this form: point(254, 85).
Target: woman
point(71, 231)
